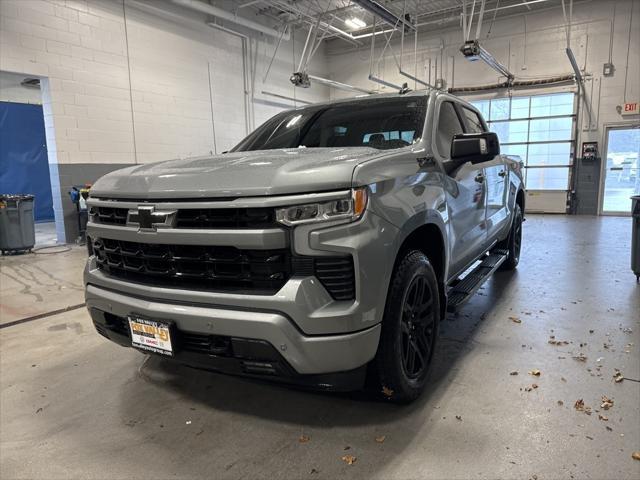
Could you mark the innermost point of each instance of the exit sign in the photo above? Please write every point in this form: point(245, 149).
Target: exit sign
point(630, 108)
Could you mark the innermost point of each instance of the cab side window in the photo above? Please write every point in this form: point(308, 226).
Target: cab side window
point(448, 126)
point(474, 122)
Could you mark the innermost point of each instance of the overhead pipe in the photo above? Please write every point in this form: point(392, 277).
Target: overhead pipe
point(383, 82)
point(284, 97)
point(340, 85)
point(201, 7)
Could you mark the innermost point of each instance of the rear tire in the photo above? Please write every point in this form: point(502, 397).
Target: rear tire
point(513, 243)
point(409, 329)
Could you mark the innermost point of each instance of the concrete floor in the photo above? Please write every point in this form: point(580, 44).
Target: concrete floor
point(76, 406)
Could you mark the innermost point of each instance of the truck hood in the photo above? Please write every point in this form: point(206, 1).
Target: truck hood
point(253, 173)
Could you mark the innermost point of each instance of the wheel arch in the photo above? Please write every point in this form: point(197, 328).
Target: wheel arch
point(429, 238)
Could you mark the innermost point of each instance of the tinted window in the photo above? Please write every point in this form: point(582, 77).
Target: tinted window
point(448, 126)
point(474, 123)
point(379, 123)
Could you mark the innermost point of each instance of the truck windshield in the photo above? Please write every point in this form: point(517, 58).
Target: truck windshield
point(382, 123)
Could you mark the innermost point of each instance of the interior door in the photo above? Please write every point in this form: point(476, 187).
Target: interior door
point(622, 169)
point(466, 194)
point(496, 174)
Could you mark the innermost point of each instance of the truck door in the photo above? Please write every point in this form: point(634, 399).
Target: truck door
point(496, 173)
point(466, 193)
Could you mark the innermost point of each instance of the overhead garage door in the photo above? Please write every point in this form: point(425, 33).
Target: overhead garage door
point(540, 130)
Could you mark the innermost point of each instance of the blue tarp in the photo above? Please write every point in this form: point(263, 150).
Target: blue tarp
point(24, 167)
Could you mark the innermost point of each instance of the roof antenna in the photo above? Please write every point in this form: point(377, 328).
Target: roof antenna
point(405, 89)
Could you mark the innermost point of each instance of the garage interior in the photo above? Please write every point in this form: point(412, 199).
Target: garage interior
point(522, 373)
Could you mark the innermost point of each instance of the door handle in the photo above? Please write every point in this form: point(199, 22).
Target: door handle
point(479, 178)
point(502, 173)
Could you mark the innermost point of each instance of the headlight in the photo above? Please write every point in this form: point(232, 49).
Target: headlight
point(350, 208)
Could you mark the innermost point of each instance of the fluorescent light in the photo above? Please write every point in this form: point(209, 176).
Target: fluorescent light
point(355, 23)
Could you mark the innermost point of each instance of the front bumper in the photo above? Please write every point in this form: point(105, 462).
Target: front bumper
point(254, 343)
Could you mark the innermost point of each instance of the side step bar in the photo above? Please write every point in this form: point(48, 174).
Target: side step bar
point(464, 289)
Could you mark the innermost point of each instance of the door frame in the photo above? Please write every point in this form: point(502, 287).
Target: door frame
point(622, 125)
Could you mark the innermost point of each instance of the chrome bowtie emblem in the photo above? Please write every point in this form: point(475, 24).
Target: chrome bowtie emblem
point(147, 219)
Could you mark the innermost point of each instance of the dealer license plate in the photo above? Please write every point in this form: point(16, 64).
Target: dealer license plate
point(151, 335)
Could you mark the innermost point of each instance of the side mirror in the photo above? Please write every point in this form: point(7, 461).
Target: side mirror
point(475, 147)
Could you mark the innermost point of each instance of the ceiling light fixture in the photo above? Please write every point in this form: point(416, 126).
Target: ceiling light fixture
point(355, 23)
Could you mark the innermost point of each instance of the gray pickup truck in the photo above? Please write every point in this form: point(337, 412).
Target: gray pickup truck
point(323, 250)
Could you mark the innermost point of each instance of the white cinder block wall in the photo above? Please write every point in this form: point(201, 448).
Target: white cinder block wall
point(123, 84)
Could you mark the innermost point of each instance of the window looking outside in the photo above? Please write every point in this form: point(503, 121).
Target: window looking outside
point(539, 129)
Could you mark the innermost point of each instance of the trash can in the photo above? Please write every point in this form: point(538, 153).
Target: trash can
point(17, 225)
point(635, 236)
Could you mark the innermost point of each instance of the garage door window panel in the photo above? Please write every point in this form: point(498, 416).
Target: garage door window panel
point(540, 130)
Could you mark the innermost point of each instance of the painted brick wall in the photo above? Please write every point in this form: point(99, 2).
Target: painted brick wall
point(123, 85)
point(97, 69)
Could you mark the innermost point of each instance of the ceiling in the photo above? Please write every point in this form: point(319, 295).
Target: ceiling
point(423, 13)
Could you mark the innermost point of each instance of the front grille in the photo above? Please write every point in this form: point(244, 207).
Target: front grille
point(212, 218)
point(200, 218)
point(110, 216)
point(195, 267)
point(337, 275)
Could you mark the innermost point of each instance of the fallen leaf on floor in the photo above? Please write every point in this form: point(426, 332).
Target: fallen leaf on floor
point(579, 405)
point(387, 392)
point(380, 439)
point(581, 357)
point(513, 373)
point(635, 455)
point(618, 377)
point(607, 403)
point(349, 459)
point(303, 439)
point(515, 319)
point(535, 372)
point(603, 418)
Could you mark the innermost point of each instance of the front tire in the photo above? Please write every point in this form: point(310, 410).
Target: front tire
point(409, 329)
point(513, 243)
